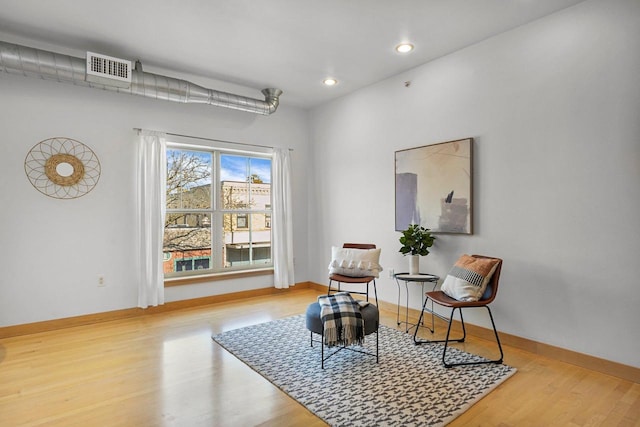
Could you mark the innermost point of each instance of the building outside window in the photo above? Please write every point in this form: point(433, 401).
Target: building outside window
point(218, 211)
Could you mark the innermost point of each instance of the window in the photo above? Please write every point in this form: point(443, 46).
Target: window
point(218, 203)
point(267, 218)
point(241, 221)
point(188, 264)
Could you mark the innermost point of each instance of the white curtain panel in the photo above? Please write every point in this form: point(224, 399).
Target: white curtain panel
point(282, 220)
point(150, 215)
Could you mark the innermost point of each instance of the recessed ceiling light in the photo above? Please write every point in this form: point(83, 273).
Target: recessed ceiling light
point(404, 48)
point(330, 82)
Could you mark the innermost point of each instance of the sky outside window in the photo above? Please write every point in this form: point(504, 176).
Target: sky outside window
point(239, 168)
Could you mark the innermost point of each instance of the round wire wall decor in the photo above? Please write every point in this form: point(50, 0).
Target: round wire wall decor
point(62, 168)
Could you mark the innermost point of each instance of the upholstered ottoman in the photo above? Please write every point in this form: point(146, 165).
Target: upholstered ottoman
point(369, 313)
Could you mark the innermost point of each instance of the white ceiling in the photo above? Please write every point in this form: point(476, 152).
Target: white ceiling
point(288, 44)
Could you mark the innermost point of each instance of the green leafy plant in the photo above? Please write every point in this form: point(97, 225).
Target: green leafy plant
point(416, 240)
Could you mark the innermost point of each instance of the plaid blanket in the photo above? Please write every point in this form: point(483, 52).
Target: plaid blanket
point(342, 320)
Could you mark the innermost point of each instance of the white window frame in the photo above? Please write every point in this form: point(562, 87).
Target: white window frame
point(218, 148)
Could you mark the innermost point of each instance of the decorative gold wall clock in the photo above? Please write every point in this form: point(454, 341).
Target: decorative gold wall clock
point(62, 168)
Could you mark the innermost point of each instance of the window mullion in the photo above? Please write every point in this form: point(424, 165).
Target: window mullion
point(217, 250)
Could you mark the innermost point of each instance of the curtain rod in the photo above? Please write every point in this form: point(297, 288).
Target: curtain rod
point(215, 140)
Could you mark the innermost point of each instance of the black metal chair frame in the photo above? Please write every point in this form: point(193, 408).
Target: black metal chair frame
point(340, 348)
point(490, 293)
point(373, 280)
point(355, 280)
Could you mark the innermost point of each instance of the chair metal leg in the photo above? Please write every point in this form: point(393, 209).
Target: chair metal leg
point(495, 331)
point(375, 291)
point(322, 350)
point(416, 341)
point(446, 340)
point(377, 343)
point(420, 319)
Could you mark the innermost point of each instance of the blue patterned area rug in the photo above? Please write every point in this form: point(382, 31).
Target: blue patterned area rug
point(408, 387)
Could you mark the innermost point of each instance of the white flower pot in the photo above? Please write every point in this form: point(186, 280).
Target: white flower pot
point(414, 264)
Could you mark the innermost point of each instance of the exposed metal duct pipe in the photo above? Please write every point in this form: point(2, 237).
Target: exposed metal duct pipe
point(27, 61)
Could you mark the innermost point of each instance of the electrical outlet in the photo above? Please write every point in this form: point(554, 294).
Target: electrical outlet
point(391, 273)
point(101, 281)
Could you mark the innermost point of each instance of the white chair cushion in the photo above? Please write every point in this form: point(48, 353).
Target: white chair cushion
point(355, 262)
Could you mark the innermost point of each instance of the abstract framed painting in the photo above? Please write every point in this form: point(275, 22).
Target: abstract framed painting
point(434, 187)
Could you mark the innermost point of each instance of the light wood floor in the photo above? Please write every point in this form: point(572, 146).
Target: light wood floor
point(164, 370)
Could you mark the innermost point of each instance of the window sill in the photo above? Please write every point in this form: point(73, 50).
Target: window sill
point(178, 281)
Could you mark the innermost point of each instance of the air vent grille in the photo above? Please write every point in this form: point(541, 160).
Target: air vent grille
point(108, 70)
point(107, 66)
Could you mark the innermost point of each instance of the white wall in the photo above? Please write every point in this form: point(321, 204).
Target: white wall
point(554, 108)
point(53, 250)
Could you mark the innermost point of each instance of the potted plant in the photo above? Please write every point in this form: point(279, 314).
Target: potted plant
point(416, 241)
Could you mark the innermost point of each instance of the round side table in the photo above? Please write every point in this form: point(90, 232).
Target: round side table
point(421, 278)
